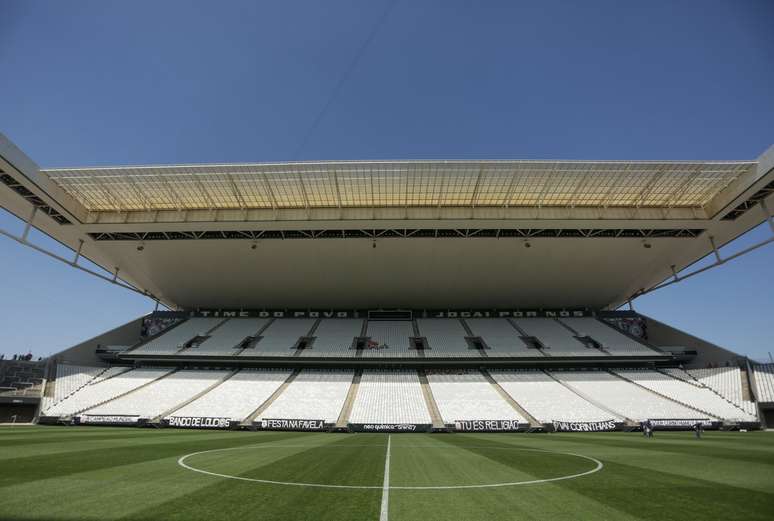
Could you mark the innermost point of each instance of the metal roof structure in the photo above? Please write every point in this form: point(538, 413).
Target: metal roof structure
point(368, 184)
point(390, 234)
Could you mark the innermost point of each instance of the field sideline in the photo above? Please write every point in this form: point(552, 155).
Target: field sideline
point(68, 473)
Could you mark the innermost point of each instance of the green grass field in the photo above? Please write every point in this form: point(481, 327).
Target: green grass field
point(51, 473)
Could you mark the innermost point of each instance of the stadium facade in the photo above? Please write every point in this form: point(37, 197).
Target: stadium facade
point(393, 295)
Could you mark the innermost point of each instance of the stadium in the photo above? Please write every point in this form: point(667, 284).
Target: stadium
point(390, 339)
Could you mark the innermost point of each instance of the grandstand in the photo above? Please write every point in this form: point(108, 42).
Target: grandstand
point(392, 296)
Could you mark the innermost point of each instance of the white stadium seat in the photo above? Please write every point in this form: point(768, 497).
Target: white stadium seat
point(625, 398)
point(160, 396)
point(612, 340)
point(445, 338)
point(389, 396)
point(501, 337)
point(548, 400)
point(174, 339)
point(468, 395)
point(559, 341)
point(104, 389)
point(312, 395)
point(237, 397)
point(391, 339)
point(696, 396)
point(335, 337)
point(281, 337)
point(226, 337)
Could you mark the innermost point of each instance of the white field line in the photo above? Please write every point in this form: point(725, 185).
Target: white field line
point(181, 461)
point(383, 515)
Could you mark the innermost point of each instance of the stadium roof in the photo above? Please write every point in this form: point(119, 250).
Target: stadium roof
point(336, 184)
point(368, 234)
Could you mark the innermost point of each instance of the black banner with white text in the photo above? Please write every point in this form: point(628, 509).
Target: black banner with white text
point(389, 427)
point(197, 422)
point(489, 425)
point(285, 424)
point(598, 426)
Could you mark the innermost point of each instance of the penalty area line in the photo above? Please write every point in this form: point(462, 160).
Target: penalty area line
point(383, 514)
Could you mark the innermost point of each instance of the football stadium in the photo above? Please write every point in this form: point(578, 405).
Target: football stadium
point(390, 340)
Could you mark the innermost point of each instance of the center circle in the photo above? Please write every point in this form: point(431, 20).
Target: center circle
point(185, 462)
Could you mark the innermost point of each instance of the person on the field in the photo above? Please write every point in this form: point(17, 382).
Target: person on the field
point(697, 429)
point(649, 427)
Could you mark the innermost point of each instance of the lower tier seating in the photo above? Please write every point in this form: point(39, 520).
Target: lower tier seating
point(237, 397)
point(161, 395)
point(548, 400)
point(398, 396)
point(104, 389)
point(623, 397)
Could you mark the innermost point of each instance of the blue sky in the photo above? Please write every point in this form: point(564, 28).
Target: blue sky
point(107, 83)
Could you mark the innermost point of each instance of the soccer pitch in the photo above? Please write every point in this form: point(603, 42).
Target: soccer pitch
point(53, 473)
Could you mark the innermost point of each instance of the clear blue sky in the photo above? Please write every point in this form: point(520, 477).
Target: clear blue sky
point(108, 82)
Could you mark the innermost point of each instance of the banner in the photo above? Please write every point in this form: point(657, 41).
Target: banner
point(283, 424)
point(683, 424)
point(600, 426)
point(488, 425)
point(389, 427)
point(108, 420)
point(197, 422)
point(363, 313)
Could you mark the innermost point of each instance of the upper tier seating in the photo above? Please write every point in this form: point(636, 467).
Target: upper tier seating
point(237, 397)
point(335, 337)
point(764, 382)
point(445, 337)
point(104, 389)
point(281, 337)
point(160, 396)
point(501, 337)
point(625, 398)
point(389, 396)
point(558, 340)
point(548, 400)
point(695, 396)
point(390, 339)
point(227, 337)
point(174, 339)
point(612, 340)
point(469, 396)
point(312, 395)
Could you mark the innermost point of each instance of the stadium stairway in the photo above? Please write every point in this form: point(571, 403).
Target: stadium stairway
point(432, 407)
point(629, 422)
point(746, 387)
point(124, 394)
point(346, 410)
point(533, 422)
point(662, 395)
point(265, 405)
point(169, 412)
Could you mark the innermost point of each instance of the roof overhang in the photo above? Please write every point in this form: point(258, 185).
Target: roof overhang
point(447, 233)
